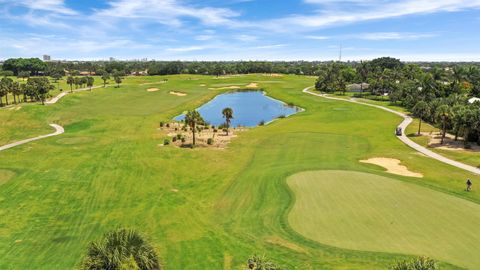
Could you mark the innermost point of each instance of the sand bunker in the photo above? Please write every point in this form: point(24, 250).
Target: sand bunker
point(180, 94)
point(152, 89)
point(393, 166)
point(237, 87)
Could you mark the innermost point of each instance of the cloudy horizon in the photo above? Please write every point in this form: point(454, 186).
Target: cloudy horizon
point(443, 30)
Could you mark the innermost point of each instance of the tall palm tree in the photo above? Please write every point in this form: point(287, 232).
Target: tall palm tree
point(443, 114)
point(70, 81)
point(121, 249)
point(90, 81)
point(228, 115)
point(105, 78)
point(192, 119)
point(6, 84)
point(421, 110)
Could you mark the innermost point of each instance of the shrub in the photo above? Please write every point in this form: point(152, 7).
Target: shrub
point(166, 142)
point(282, 116)
point(262, 123)
point(168, 125)
point(121, 249)
point(183, 139)
point(262, 263)
point(210, 141)
point(174, 139)
point(420, 263)
point(162, 124)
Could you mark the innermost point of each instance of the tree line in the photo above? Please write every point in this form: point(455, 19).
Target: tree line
point(436, 95)
point(35, 89)
point(34, 66)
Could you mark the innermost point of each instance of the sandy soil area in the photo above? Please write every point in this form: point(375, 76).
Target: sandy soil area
point(176, 93)
point(220, 138)
point(152, 89)
point(393, 166)
point(449, 143)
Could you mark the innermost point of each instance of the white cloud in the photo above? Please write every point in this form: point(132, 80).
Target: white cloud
point(246, 38)
point(271, 46)
point(54, 6)
point(328, 16)
point(187, 49)
point(169, 12)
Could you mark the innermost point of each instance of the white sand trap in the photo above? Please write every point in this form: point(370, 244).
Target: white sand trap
point(203, 85)
point(393, 166)
point(252, 85)
point(152, 89)
point(180, 94)
point(236, 87)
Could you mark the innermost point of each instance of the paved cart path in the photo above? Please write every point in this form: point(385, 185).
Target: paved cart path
point(58, 130)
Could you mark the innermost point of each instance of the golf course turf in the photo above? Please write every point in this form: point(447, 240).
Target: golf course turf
point(364, 211)
point(201, 208)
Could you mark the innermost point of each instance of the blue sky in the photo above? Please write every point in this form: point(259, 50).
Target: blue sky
point(411, 30)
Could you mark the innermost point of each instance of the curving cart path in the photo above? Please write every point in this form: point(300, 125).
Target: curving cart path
point(406, 121)
point(58, 130)
point(64, 93)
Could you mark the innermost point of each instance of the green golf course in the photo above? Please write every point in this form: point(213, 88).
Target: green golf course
point(293, 189)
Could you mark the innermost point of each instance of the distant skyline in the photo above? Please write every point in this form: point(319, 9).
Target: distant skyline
point(412, 30)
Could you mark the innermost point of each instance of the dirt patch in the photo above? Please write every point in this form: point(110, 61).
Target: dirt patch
point(393, 166)
point(181, 136)
point(180, 94)
point(435, 138)
point(152, 89)
point(275, 240)
point(252, 85)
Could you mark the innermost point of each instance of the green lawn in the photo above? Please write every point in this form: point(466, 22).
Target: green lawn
point(363, 211)
point(202, 208)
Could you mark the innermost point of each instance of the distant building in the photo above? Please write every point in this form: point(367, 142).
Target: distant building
point(112, 59)
point(46, 57)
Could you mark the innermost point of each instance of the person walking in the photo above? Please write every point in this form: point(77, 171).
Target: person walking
point(469, 185)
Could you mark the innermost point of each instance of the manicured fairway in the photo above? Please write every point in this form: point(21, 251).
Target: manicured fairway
point(364, 211)
point(201, 208)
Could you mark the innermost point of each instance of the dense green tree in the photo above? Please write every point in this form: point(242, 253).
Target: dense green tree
point(121, 249)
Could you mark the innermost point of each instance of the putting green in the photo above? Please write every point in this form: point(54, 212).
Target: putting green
point(362, 211)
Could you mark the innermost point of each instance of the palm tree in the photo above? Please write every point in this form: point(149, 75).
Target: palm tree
point(70, 81)
point(6, 85)
point(421, 110)
point(90, 81)
point(121, 249)
point(105, 78)
point(443, 114)
point(192, 119)
point(228, 115)
point(16, 91)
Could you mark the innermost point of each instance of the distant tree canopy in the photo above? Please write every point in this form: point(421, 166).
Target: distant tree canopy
point(385, 62)
point(32, 65)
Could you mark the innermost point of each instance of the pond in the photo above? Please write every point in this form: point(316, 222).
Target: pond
point(249, 109)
